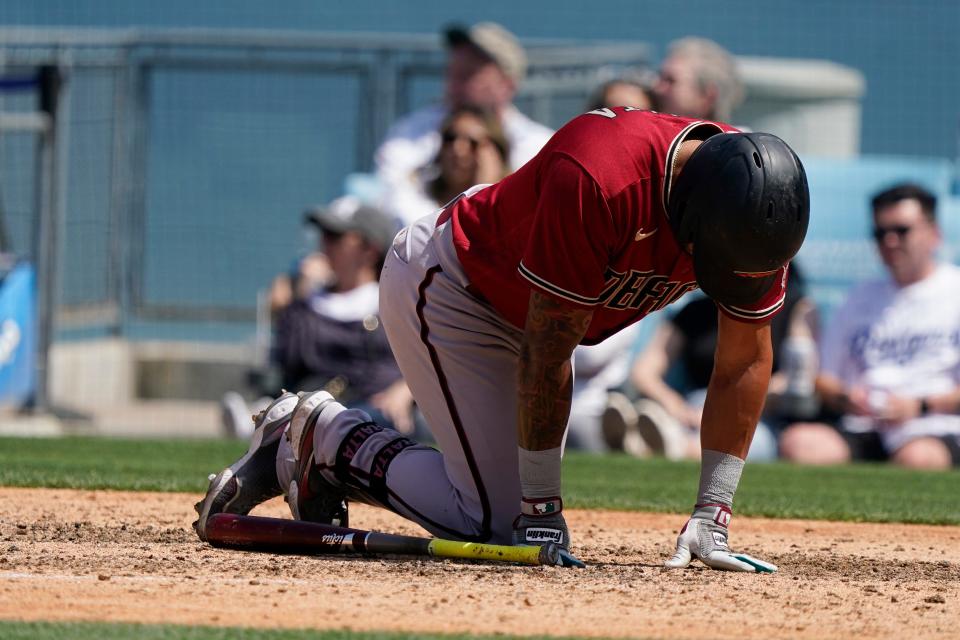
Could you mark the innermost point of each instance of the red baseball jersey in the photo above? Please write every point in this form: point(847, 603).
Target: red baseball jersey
point(585, 221)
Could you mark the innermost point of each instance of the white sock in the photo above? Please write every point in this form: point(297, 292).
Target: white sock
point(286, 465)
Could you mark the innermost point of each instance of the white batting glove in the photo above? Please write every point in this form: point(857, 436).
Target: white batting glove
point(704, 537)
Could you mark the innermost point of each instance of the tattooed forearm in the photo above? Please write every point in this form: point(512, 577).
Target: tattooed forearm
point(545, 381)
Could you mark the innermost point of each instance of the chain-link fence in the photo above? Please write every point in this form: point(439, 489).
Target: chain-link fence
point(188, 156)
point(173, 188)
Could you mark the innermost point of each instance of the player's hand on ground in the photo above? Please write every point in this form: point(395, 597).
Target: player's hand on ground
point(704, 537)
point(540, 529)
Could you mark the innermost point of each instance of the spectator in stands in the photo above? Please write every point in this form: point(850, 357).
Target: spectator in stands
point(485, 67)
point(332, 338)
point(665, 419)
point(305, 276)
point(473, 150)
point(627, 90)
point(698, 79)
point(890, 358)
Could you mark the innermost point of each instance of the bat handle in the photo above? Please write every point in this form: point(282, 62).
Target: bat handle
point(550, 554)
point(554, 555)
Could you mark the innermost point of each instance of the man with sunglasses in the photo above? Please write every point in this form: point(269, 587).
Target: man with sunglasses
point(620, 214)
point(890, 358)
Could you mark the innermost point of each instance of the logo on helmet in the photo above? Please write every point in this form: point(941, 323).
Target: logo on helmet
point(756, 274)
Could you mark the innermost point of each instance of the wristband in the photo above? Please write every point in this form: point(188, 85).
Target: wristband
point(719, 477)
point(538, 507)
point(539, 473)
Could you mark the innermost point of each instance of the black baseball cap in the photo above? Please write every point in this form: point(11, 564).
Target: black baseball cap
point(349, 213)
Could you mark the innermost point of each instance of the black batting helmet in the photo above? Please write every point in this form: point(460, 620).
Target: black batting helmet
point(742, 200)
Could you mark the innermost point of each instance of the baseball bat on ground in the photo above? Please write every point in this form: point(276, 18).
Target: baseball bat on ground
point(296, 536)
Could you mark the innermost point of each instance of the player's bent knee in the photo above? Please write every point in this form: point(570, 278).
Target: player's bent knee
point(813, 443)
point(923, 453)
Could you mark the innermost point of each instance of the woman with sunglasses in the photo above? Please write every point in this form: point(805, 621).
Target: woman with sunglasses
point(473, 150)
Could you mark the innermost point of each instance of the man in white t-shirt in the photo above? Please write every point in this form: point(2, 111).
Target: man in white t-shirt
point(485, 67)
point(890, 358)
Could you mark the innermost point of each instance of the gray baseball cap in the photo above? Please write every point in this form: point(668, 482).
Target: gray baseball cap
point(349, 213)
point(496, 42)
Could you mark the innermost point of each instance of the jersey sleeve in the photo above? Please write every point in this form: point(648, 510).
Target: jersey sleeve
point(570, 243)
point(766, 307)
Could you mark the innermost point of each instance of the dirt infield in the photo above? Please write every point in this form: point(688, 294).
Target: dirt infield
point(113, 556)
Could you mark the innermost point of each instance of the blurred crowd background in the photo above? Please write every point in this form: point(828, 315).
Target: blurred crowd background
point(174, 177)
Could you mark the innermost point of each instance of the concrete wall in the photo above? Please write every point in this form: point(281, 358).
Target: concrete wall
point(88, 375)
point(814, 105)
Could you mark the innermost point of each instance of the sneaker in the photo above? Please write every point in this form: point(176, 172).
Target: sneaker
point(235, 416)
point(661, 432)
point(618, 423)
point(310, 496)
point(253, 478)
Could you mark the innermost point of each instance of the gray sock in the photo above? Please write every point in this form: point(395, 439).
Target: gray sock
point(719, 477)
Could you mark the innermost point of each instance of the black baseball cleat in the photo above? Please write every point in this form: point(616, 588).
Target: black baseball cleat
point(252, 479)
point(310, 496)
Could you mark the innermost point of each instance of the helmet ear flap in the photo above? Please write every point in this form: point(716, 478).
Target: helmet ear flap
point(681, 212)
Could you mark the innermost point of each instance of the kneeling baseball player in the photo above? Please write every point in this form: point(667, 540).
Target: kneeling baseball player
point(620, 214)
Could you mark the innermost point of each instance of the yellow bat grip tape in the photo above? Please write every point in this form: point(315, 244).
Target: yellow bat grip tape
point(480, 551)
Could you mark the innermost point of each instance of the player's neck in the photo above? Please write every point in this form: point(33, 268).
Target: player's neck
point(683, 154)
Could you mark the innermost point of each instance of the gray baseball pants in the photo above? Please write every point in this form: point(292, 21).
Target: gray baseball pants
point(459, 358)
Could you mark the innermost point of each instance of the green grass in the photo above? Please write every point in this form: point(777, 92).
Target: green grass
point(107, 631)
point(873, 493)
point(858, 492)
point(109, 463)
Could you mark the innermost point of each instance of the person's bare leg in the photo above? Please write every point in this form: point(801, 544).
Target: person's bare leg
point(923, 453)
point(813, 443)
